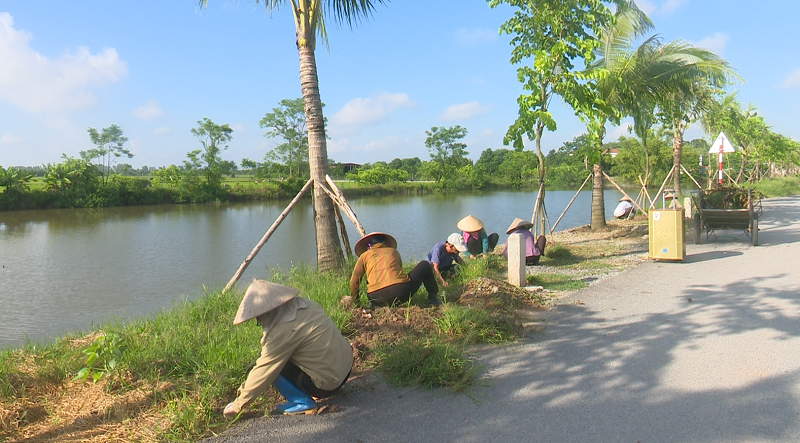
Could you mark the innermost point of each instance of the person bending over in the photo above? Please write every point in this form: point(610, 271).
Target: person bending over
point(533, 250)
point(475, 237)
point(380, 262)
point(443, 257)
point(303, 354)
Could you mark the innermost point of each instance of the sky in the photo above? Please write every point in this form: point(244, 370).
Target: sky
point(155, 68)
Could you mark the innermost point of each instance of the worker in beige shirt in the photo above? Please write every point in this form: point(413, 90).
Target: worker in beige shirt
point(303, 354)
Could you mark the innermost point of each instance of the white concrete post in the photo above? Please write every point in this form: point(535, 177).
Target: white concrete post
point(516, 260)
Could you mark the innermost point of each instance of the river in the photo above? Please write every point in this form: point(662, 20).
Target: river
point(67, 270)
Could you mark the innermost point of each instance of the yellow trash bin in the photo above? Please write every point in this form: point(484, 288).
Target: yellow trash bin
point(667, 234)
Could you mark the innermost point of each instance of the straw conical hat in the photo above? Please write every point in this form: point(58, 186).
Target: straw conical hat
point(261, 297)
point(457, 240)
point(625, 198)
point(519, 223)
point(470, 224)
point(361, 245)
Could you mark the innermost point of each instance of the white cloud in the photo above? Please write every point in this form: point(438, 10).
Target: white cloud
point(240, 127)
point(671, 5)
point(391, 144)
point(36, 83)
point(364, 111)
point(471, 37)
point(647, 7)
point(793, 81)
point(464, 111)
point(162, 130)
point(149, 111)
point(618, 132)
point(8, 139)
point(651, 8)
point(715, 43)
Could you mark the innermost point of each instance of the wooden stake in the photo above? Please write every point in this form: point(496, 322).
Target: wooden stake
point(623, 192)
point(652, 203)
point(343, 231)
point(346, 206)
point(570, 202)
point(690, 176)
point(266, 237)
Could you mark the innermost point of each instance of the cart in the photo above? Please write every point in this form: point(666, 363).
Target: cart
point(709, 220)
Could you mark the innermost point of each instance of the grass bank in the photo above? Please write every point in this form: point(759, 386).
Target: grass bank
point(167, 377)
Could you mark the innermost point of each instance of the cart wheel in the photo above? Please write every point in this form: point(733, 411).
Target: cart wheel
point(754, 232)
point(697, 234)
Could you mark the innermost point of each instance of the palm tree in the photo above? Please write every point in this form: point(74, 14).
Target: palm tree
point(614, 64)
point(691, 89)
point(309, 19)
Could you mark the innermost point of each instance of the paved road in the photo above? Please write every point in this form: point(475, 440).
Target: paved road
point(704, 350)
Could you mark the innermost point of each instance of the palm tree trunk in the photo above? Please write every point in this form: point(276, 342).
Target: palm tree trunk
point(598, 199)
point(677, 149)
point(329, 250)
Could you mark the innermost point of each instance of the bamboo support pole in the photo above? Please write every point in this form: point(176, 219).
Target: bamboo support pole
point(662, 187)
point(346, 206)
point(343, 231)
point(623, 192)
point(644, 189)
point(570, 202)
point(266, 236)
point(535, 216)
point(343, 206)
point(690, 176)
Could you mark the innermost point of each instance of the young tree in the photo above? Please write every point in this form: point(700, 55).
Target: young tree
point(556, 35)
point(109, 146)
point(446, 149)
point(288, 121)
point(214, 139)
point(310, 17)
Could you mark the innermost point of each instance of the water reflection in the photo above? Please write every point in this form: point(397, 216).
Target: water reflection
point(63, 270)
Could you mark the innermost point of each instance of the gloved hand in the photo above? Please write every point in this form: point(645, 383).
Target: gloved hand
point(231, 411)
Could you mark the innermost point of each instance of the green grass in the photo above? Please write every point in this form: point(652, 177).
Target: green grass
point(779, 187)
point(430, 362)
point(555, 282)
point(194, 358)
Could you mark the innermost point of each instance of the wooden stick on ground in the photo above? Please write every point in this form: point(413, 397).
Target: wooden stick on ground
point(623, 192)
point(266, 237)
point(570, 202)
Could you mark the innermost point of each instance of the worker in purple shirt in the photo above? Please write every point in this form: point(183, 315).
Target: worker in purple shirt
point(442, 257)
point(533, 249)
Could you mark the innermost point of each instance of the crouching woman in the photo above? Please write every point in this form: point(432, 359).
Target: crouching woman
point(303, 354)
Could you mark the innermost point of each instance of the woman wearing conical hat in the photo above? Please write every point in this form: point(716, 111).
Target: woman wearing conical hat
point(303, 354)
point(533, 249)
point(475, 237)
point(624, 207)
point(387, 284)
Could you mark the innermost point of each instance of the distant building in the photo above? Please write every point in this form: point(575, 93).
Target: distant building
point(613, 152)
point(349, 167)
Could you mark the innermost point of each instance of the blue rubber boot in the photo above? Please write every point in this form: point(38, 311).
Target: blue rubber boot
point(298, 402)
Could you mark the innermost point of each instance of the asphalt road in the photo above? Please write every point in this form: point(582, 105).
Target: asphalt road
point(703, 350)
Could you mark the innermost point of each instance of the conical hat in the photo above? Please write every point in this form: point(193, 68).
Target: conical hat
point(519, 223)
point(470, 224)
point(457, 240)
point(361, 245)
point(261, 297)
point(625, 198)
